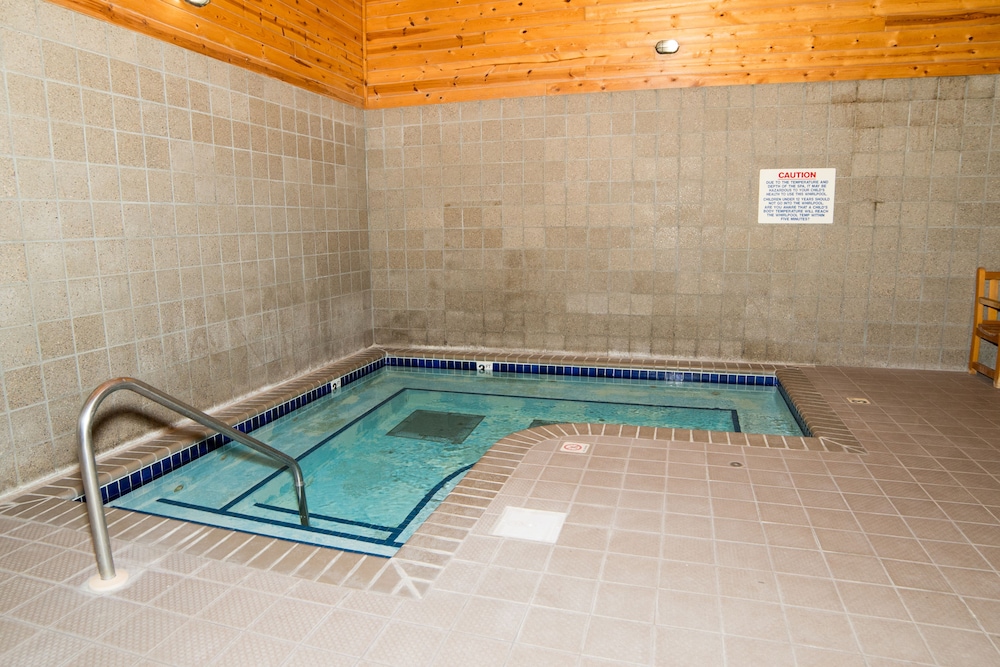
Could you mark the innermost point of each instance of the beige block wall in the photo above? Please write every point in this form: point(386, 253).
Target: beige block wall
point(626, 222)
point(166, 216)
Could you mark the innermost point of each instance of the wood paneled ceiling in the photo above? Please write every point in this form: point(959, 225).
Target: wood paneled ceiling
point(389, 53)
point(313, 44)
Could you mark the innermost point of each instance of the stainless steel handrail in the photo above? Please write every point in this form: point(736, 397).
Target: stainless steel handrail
point(88, 464)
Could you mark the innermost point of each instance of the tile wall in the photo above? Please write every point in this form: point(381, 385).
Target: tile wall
point(167, 216)
point(626, 222)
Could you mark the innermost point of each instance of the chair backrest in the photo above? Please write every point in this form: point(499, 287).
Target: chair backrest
point(987, 294)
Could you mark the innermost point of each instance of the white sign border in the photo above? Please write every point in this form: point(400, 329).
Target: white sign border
point(827, 174)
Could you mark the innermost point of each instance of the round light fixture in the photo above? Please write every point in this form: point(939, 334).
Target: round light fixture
point(667, 46)
point(198, 3)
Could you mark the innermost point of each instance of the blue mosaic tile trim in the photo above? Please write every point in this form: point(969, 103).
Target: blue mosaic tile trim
point(443, 364)
point(590, 371)
point(638, 374)
point(120, 487)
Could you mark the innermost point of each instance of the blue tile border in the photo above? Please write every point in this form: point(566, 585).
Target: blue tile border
point(120, 487)
point(761, 380)
point(443, 364)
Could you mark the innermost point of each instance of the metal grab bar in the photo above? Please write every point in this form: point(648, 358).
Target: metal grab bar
point(88, 464)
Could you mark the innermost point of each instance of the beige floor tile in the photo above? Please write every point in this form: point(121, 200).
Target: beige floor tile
point(45, 648)
point(62, 567)
point(749, 618)
point(97, 616)
point(732, 529)
point(747, 584)
point(104, 656)
point(189, 596)
point(14, 633)
point(554, 629)
point(148, 584)
point(533, 656)
point(237, 607)
point(678, 647)
point(144, 629)
point(508, 584)
point(748, 652)
point(806, 562)
point(495, 619)
point(897, 640)
point(821, 629)
point(308, 656)
point(633, 603)
point(950, 646)
point(575, 562)
point(688, 610)
point(289, 619)
point(195, 643)
point(566, 593)
point(614, 639)
point(51, 605)
point(459, 650)
point(635, 570)
point(256, 650)
point(809, 656)
point(346, 632)
point(868, 600)
point(938, 609)
point(810, 592)
point(405, 645)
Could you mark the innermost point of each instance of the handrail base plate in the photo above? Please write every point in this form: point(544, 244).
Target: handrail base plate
point(117, 582)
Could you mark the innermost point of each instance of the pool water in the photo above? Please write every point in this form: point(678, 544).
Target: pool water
point(380, 455)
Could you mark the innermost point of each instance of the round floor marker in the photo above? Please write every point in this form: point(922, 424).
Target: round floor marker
point(855, 400)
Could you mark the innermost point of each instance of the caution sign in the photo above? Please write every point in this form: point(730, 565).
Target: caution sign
point(796, 196)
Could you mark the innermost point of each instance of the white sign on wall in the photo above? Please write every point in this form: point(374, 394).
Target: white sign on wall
point(796, 196)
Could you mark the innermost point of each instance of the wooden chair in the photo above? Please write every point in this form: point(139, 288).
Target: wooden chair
point(986, 322)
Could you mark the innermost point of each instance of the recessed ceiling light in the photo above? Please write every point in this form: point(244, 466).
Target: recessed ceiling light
point(198, 3)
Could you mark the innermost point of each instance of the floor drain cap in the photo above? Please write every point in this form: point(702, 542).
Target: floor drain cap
point(736, 464)
point(858, 401)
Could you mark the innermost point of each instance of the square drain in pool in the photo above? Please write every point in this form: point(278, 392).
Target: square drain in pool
point(529, 524)
point(453, 427)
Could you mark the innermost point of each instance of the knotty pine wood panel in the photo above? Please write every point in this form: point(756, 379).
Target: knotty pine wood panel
point(428, 51)
point(317, 45)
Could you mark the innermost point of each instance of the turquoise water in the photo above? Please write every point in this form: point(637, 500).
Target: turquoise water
point(382, 453)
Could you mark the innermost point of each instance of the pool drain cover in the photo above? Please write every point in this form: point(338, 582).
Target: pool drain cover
point(529, 524)
point(453, 427)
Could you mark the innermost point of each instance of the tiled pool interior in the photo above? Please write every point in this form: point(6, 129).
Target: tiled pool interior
point(126, 483)
point(877, 548)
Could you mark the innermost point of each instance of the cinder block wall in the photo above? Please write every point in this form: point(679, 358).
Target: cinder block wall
point(167, 216)
point(627, 222)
